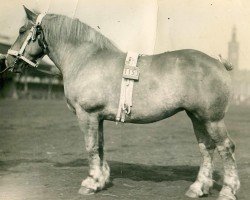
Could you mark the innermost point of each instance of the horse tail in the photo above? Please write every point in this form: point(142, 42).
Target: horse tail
point(226, 63)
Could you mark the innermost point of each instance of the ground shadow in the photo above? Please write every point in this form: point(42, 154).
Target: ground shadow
point(141, 172)
point(132, 171)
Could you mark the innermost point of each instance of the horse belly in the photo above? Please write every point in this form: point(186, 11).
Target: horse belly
point(142, 117)
point(153, 108)
point(150, 105)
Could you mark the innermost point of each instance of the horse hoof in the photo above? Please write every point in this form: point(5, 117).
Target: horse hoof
point(86, 191)
point(229, 197)
point(193, 194)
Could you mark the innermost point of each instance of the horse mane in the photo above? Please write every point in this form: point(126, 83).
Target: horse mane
point(62, 28)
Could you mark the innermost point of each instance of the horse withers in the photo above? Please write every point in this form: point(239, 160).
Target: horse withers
point(183, 80)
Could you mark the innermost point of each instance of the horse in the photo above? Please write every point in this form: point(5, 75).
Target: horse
point(92, 67)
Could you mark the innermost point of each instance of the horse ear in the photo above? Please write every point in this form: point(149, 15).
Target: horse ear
point(30, 15)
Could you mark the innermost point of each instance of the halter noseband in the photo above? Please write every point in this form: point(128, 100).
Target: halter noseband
point(31, 36)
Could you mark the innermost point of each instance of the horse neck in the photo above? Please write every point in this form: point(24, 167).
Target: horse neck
point(66, 53)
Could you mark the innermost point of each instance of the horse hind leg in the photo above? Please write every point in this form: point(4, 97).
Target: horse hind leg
point(225, 146)
point(204, 181)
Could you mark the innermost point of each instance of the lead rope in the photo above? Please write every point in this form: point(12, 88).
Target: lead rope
point(7, 68)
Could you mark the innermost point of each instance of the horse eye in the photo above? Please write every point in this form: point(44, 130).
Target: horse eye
point(22, 30)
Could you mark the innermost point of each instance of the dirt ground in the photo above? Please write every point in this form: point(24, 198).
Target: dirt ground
point(42, 155)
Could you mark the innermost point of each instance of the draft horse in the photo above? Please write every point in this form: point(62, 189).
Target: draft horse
point(92, 66)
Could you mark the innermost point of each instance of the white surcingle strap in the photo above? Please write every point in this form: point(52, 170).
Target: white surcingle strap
point(130, 74)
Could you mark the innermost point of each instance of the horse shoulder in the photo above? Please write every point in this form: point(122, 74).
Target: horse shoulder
point(89, 98)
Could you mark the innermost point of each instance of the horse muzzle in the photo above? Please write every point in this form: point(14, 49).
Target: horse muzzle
point(14, 64)
point(3, 64)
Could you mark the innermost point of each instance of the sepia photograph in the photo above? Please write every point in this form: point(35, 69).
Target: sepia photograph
point(130, 100)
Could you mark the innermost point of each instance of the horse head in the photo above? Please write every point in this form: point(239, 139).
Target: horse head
point(30, 44)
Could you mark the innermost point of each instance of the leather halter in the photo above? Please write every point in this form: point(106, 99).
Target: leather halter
point(32, 36)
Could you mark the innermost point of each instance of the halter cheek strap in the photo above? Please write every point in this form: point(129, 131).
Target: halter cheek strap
point(31, 36)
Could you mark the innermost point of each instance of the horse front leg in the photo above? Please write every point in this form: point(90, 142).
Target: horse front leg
point(92, 127)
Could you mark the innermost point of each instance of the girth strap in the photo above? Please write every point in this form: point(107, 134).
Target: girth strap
point(130, 74)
